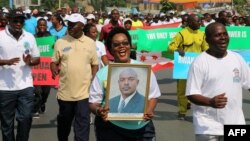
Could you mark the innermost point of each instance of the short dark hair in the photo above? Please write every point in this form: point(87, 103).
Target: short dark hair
point(87, 28)
point(41, 19)
point(210, 29)
point(127, 22)
point(112, 33)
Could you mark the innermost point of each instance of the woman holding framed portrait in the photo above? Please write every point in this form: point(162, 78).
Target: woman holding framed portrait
point(112, 82)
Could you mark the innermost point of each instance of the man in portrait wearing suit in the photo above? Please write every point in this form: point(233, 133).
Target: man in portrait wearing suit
point(130, 100)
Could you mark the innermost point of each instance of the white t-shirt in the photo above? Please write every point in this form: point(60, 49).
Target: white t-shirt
point(16, 77)
point(210, 76)
point(100, 50)
point(207, 23)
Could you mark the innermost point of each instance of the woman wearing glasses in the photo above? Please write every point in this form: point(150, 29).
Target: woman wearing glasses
point(118, 42)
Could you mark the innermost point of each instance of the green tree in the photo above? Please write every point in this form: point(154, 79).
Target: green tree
point(54, 4)
point(49, 4)
point(239, 2)
point(4, 3)
point(118, 3)
point(166, 6)
point(240, 6)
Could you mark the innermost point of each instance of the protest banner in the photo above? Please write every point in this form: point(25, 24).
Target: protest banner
point(158, 39)
point(41, 73)
point(45, 45)
point(182, 64)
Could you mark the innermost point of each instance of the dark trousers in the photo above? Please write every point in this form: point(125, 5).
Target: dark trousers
point(41, 96)
point(77, 111)
point(20, 104)
point(106, 131)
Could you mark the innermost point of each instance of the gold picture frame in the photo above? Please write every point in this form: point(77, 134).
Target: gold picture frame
point(128, 82)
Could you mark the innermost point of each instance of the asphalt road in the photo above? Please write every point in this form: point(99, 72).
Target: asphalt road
point(168, 128)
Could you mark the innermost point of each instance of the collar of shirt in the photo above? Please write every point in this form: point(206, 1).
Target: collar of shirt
point(191, 30)
point(127, 99)
point(9, 34)
point(81, 39)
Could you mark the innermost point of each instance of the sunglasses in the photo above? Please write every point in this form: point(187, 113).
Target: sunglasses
point(123, 43)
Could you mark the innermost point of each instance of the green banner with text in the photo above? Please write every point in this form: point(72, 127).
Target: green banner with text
point(158, 39)
point(45, 45)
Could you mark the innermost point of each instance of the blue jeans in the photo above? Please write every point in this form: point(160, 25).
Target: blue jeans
point(17, 104)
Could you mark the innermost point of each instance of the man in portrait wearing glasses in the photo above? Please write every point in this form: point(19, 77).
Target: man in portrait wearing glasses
point(130, 100)
point(189, 39)
point(77, 57)
point(18, 52)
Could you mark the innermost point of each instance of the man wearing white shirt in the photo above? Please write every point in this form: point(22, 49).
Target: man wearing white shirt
point(18, 52)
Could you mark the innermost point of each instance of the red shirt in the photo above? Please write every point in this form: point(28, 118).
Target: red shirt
point(105, 30)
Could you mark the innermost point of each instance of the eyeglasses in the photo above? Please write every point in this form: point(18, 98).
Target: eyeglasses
point(123, 43)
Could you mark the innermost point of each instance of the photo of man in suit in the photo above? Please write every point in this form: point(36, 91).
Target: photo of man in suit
point(130, 100)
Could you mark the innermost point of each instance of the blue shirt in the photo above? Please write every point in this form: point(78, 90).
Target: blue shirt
point(58, 34)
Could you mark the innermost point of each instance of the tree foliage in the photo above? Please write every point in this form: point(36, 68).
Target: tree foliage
point(4, 3)
point(118, 3)
point(240, 6)
point(239, 2)
point(166, 6)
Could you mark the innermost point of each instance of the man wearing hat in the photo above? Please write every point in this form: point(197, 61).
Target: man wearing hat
point(90, 19)
point(18, 53)
point(49, 21)
point(30, 23)
point(77, 57)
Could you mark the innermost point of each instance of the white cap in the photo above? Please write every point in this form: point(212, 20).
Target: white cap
point(126, 19)
point(27, 11)
point(76, 17)
point(49, 13)
point(171, 11)
point(5, 11)
point(90, 16)
point(183, 13)
point(162, 14)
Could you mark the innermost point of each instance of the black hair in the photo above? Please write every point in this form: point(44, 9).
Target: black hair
point(60, 19)
point(87, 28)
point(210, 29)
point(41, 19)
point(127, 22)
point(112, 33)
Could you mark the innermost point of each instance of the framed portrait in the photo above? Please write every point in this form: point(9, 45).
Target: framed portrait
point(127, 91)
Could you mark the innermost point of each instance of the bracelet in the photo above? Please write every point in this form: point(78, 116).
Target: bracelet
point(96, 111)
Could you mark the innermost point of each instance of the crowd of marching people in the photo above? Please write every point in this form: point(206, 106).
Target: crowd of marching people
point(99, 19)
point(97, 39)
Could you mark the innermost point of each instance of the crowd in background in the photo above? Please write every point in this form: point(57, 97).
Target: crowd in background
point(70, 26)
point(228, 18)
